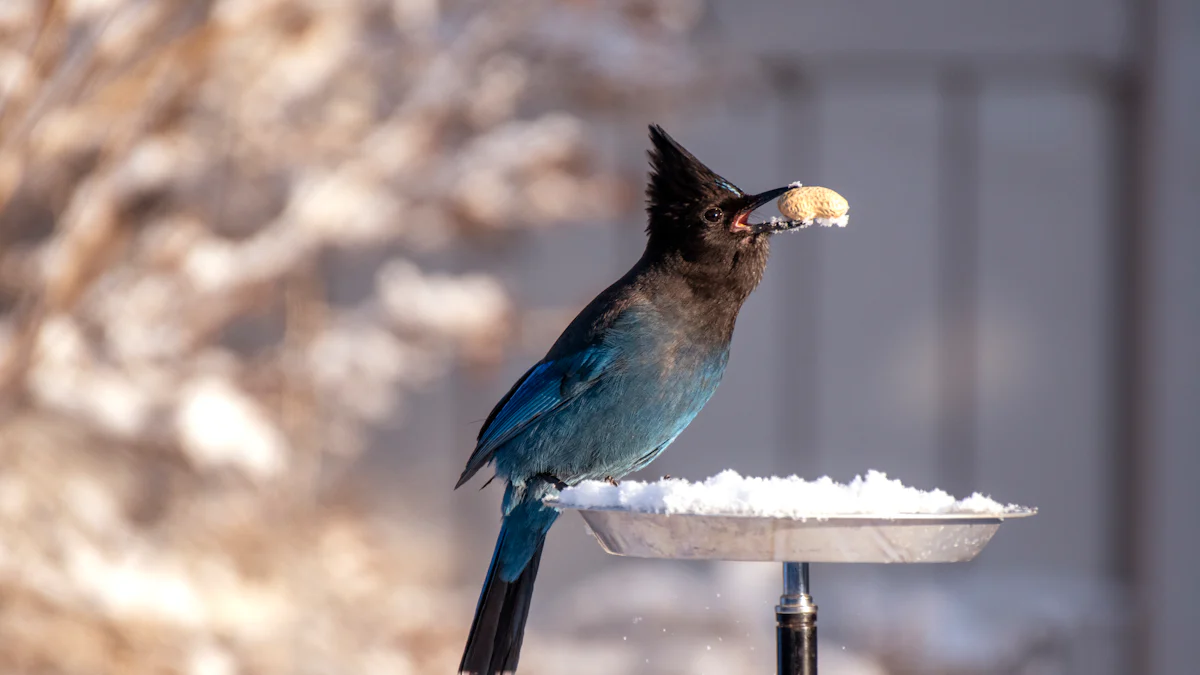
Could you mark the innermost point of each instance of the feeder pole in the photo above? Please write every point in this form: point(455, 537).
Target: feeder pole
point(796, 624)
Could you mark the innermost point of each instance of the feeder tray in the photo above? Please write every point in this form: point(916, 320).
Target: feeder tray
point(902, 538)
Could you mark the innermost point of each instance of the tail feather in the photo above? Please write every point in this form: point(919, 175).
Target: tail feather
point(494, 643)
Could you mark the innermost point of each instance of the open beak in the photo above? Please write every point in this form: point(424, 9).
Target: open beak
point(741, 222)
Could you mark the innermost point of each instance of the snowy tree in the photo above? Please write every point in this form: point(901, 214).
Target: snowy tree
point(173, 177)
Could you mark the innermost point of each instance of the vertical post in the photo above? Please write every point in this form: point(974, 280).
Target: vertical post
point(796, 624)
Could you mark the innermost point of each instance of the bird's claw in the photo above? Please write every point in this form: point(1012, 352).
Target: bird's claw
point(666, 477)
point(612, 481)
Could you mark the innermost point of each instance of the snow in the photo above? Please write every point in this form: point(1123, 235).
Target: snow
point(221, 425)
point(729, 493)
point(841, 221)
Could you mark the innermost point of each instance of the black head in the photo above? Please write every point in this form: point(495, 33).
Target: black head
point(690, 205)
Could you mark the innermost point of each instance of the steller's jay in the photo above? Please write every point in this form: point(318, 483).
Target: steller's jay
point(622, 381)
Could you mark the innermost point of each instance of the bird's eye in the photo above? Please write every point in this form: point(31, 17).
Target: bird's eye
point(712, 215)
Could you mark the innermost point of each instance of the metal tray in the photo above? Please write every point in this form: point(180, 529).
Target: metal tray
point(904, 538)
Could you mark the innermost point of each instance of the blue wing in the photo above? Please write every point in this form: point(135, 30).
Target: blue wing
point(547, 386)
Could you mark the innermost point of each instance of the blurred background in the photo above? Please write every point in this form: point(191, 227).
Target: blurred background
point(265, 267)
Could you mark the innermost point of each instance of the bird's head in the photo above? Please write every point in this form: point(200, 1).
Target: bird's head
point(691, 206)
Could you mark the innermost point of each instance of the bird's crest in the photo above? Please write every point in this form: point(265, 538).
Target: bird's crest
point(678, 180)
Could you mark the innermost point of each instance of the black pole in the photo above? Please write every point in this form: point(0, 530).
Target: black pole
point(796, 624)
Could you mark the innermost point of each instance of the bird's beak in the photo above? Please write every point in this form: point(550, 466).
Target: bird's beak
point(741, 221)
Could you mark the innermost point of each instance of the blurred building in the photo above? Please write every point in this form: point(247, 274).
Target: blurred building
point(1009, 312)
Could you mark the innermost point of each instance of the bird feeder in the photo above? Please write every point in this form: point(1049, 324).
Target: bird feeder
point(795, 540)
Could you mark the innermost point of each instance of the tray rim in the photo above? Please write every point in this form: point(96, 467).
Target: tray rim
point(961, 518)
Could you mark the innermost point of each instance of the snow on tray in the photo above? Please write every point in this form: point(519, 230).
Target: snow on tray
point(729, 493)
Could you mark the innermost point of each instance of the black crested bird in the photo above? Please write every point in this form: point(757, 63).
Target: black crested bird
point(622, 381)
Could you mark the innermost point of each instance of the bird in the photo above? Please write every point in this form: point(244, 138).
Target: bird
point(624, 379)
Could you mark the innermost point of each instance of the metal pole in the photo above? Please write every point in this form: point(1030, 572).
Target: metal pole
point(796, 624)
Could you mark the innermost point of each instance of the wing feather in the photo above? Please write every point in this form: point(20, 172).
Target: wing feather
point(546, 387)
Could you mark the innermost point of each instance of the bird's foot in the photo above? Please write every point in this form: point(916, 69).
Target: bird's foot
point(666, 477)
point(612, 481)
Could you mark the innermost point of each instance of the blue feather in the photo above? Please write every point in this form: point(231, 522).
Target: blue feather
point(545, 388)
point(618, 405)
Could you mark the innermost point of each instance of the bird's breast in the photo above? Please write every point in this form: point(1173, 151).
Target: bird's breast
point(678, 347)
point(681, 363)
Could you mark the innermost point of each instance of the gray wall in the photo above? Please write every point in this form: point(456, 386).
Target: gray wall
point(1168, 537)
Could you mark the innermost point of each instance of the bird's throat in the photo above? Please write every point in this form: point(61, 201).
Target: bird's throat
point(705, 292)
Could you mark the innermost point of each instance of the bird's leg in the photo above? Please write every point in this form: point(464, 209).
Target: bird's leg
point(666, 477)
point(612, 481)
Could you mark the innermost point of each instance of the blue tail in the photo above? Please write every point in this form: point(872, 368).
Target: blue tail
point(494, 643)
